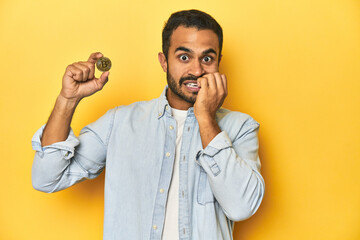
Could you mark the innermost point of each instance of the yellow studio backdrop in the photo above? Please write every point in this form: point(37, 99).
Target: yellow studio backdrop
point(292, 65)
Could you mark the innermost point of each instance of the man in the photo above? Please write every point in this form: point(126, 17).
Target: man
point(177, 167)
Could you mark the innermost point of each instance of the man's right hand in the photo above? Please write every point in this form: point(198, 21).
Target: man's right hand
point(79, 79)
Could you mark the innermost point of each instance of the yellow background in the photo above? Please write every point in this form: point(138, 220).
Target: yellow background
point(292, 65)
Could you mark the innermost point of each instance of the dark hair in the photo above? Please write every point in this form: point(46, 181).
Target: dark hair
point(190, 18)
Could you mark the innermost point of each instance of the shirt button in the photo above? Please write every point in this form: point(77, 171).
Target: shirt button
point(161, 190)
point(160, 113)
point(171, 127)
point(168, 154)
point(154, 227)
point(188, 128)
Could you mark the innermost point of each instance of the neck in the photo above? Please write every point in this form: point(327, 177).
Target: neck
point(176, 102)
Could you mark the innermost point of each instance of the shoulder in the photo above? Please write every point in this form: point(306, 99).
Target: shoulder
point(236, 124)
point(136, 106)
point(138, 111)
point(134, 110)
point(226, 116)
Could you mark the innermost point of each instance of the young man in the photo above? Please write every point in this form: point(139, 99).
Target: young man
point(177, 167)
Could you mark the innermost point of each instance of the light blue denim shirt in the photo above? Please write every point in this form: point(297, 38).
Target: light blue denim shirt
point(217, 185)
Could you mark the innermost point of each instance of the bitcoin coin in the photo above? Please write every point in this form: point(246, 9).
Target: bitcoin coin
point(103, 64)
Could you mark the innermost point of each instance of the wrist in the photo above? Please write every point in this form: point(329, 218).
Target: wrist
point(209, 128)
point(66, 106)
point(206, 119)
point(208, 123)
point(68, 102)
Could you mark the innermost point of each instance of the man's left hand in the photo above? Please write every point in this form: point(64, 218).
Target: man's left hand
point(212, 93)
point(210, 97)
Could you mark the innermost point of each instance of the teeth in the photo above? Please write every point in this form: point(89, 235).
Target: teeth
point(194, 85)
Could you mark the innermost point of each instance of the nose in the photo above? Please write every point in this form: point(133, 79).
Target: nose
point(196, 69)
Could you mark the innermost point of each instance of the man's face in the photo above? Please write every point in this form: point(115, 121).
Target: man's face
point(192, 54)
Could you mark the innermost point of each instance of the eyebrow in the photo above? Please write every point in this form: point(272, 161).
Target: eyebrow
point(210, 50)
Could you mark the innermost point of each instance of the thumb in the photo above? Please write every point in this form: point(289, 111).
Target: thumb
point(103, 79)
point(104, 76)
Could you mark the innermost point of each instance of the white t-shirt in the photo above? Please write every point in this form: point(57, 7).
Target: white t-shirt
point(171, 228)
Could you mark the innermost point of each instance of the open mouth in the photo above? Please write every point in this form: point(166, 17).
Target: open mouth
point(192, 86)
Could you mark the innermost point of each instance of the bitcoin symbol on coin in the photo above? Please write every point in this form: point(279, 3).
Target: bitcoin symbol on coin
point(103, 64)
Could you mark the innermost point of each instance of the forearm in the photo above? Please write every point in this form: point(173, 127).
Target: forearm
point(238, 187)
point(208, 130)
point(58, 126)
point(62, 164)
point(233, 173)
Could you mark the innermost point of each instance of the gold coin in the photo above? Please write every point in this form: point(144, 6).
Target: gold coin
point(103, 64)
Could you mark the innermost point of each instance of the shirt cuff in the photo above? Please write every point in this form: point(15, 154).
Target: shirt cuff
point(206, 156)
point(67, 147)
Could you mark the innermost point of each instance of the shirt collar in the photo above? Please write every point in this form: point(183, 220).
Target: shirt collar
point(164, 106)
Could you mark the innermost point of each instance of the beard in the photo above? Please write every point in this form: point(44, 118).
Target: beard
point(175, 87)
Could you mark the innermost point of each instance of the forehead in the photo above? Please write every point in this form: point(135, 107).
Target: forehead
point(194, 39)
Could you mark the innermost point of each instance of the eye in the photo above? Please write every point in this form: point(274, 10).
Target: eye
point(207, 59)
point(184, 58)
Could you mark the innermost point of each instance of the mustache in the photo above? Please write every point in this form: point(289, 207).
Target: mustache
point(191, 77)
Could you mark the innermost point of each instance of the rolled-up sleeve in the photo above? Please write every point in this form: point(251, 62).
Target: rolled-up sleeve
point(62, 164)
point(233, 170)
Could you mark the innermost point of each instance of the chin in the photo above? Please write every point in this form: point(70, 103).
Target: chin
point(190, 99)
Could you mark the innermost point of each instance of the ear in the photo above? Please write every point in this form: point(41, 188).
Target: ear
point(162, 60)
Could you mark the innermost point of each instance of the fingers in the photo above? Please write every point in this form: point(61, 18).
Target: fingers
point(224, 81)
point(203, 83)
point(211, 81)
point(221, 83)
point(81, 71)
point(214, 81)
point(94, 57)
point(74, 72)
point(88, 70)
point(84, 71)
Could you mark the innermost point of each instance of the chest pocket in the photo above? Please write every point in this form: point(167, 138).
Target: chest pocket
point(204, 194)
